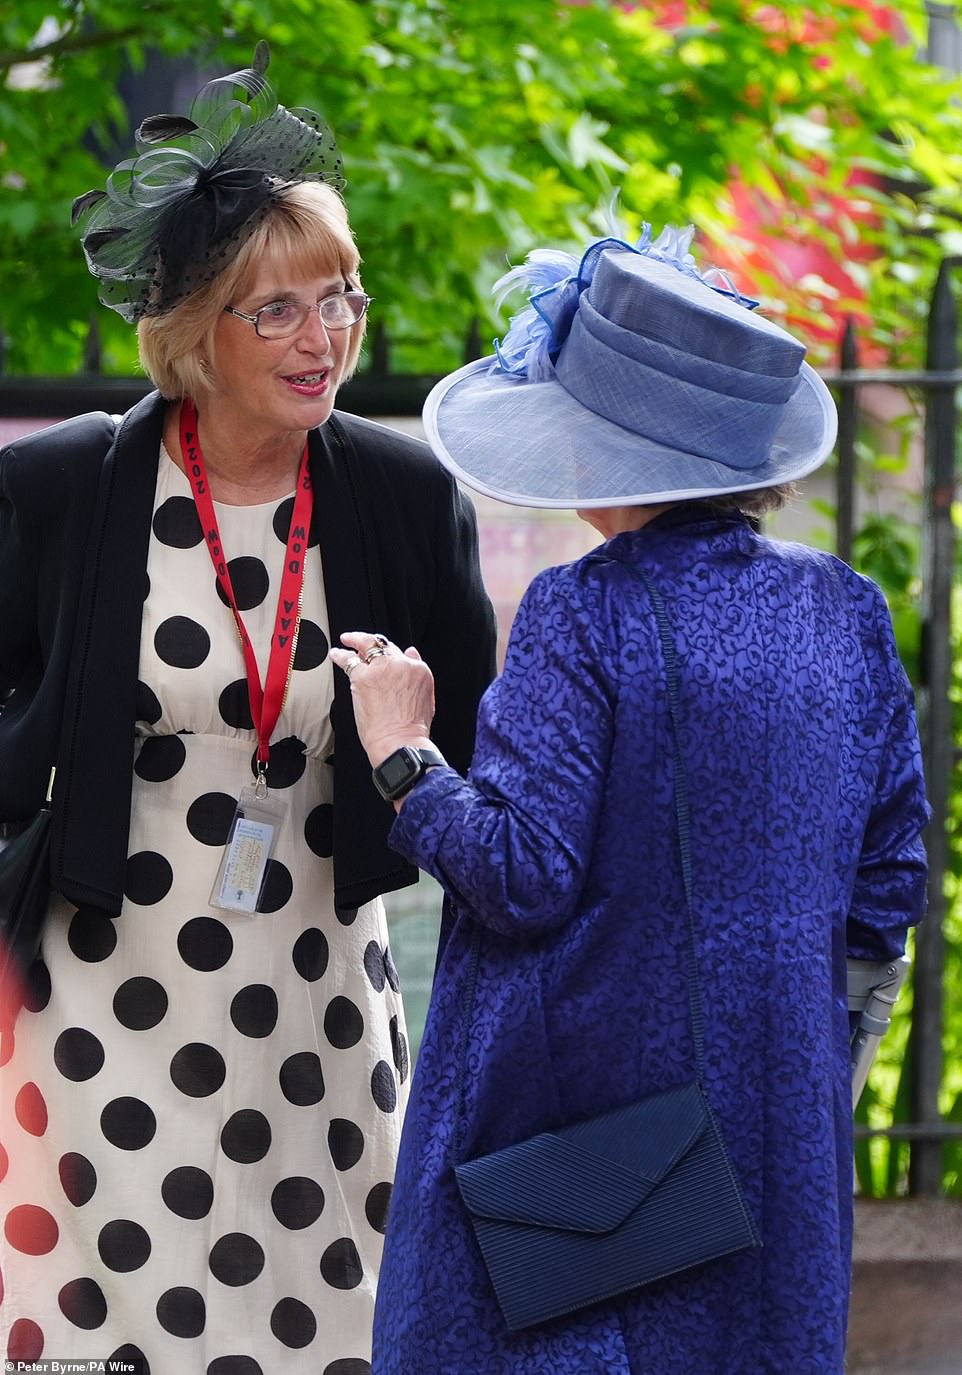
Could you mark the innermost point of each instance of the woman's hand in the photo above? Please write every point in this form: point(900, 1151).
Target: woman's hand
point(393, 693)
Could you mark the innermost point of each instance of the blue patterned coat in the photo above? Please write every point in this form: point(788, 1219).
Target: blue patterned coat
point(807, 802)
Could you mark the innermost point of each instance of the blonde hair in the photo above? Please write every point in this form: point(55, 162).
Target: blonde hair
point(306, 226)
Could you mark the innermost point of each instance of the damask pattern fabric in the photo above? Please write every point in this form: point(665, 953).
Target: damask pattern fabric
point(807, 803)
point(201, 1116)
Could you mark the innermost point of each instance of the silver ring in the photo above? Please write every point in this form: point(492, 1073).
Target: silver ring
point(351, 665)
point(381, 640)
point(374, 652)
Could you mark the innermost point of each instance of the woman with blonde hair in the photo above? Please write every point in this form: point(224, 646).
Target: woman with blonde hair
point(202, 1095)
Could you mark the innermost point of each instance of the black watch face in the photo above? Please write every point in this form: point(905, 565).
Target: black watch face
point(397, 769)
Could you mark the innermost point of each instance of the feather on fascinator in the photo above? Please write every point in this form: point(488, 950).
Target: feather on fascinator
point(176, 213)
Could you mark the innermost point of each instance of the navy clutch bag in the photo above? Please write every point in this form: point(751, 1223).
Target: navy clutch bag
point(594, 1209)
point(570, 1217)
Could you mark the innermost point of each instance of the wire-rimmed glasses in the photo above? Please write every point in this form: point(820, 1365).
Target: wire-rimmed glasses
point(280, 319)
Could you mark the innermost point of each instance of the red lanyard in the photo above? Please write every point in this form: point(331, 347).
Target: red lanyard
point(266, 702)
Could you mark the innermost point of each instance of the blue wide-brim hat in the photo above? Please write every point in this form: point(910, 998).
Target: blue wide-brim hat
point(632, 381)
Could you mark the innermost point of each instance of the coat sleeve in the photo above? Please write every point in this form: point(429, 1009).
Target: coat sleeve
point(460, 638)
point(513, 844)
point(889, 890)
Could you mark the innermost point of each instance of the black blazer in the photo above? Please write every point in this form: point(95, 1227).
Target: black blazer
point(398, 543)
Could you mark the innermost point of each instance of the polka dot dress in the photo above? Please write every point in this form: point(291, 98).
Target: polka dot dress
point(200, 1118)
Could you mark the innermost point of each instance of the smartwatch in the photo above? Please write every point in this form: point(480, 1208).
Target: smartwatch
point(399, 772)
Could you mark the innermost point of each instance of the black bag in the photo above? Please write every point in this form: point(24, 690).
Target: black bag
point(24, 896)
point(597, 1208)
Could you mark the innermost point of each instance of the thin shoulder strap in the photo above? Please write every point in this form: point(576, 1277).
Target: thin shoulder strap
point(683, 821)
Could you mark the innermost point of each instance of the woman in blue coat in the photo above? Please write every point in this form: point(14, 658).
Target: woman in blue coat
point(668, 415)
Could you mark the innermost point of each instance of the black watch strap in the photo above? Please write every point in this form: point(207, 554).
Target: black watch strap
point(397, 774)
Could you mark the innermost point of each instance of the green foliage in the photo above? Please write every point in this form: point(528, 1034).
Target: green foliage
point(473, 131)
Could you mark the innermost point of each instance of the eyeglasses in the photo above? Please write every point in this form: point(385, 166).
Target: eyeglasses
point(280, 319)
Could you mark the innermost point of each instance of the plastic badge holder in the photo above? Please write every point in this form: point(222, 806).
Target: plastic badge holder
point(249, 849)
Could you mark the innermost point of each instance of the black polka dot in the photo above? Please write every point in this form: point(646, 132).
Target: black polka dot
point(236, 1259)
point(123, 1245)
point(347, 916)
point(254, 1010)
point(82, 1302)
point(345, 1141)
point(78, 1054)
point(148, 878)
point(319, 830)
point(146, 706)
point(383, 1087)
point(302, 1082)
point(234, 1365)
point(390, 969)
point(36, 988)
point(312, 646)
point(140, 1003)
point(282, 523)
point(287, 762)
point(297, 1202)
point(246, 1137)
point(198, 1070)
point(341, 1265)
point(277, 889)
point(343, 1023)
point(181, 642)
point(181, 1312)
point(311, 954)
point(128, 1124)
point(205, 944)
point(160, 758)
point(399, 1049)
point(25, 1342)
point(374, 965)
point(91, 936)
point(249, 580)
point(177, 524)
point(234, 705)
point(376, 1205)
point(128, 1357)
point(188, 1191)
point(78, 1178)
point(293, 1323)
point(348, 1365)
point(210, 816)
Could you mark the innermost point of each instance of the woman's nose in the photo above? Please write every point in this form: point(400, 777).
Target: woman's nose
point(314, 326)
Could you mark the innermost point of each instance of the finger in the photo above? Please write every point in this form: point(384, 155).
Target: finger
point(412, 653)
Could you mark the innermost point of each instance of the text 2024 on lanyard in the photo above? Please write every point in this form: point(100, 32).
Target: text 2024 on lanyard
point(253, 833)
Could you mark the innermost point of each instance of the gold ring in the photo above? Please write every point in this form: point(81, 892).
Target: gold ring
point(373, 653)
point(351, 665)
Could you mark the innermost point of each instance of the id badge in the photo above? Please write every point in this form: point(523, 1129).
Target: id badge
point(250, 845)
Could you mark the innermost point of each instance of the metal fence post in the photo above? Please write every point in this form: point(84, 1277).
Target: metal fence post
point(847, 430)
point(938, 566)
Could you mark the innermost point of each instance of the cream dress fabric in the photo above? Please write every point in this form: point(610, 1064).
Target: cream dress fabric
point(200, 1118)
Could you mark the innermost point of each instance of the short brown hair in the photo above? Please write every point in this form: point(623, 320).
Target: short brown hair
point(307, 225)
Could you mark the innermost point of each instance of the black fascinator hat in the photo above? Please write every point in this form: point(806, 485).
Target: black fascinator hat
point(176, 213)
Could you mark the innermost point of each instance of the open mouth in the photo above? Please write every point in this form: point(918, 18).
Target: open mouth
point(307, 379)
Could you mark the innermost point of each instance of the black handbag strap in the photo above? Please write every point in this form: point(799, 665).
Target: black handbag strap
point(683, 820)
